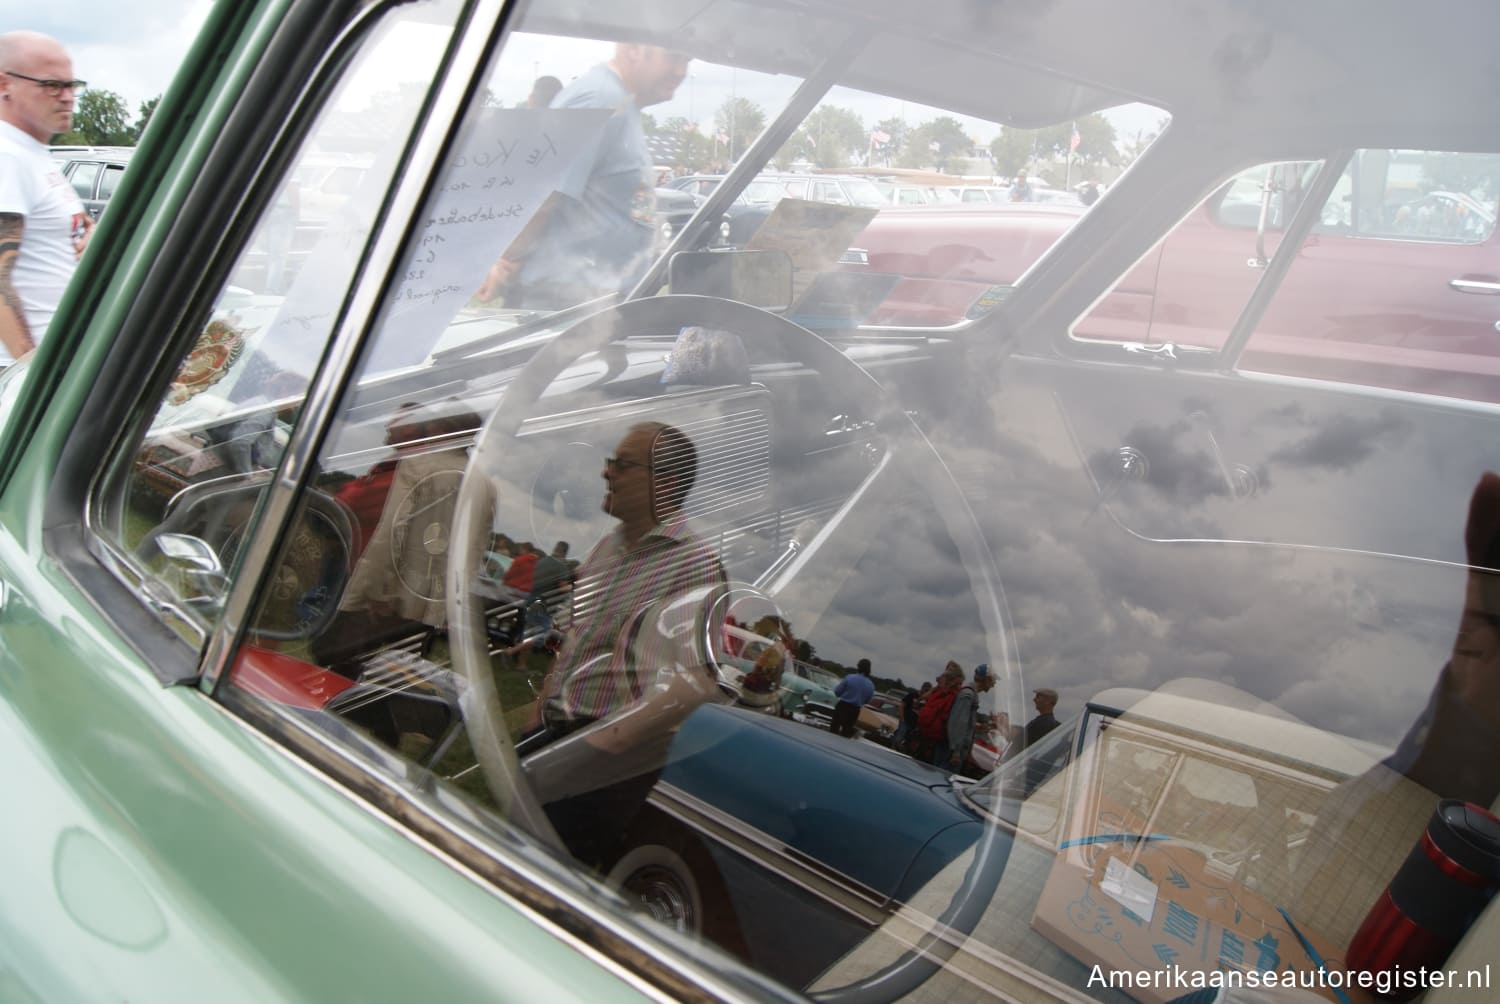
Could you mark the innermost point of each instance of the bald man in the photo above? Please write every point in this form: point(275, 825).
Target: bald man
point(43, 228)
point(628, 672)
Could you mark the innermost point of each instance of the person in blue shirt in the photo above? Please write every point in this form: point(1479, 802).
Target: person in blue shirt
point(596, 236)
point(854, 692)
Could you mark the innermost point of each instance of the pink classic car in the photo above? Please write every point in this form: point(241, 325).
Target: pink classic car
point(1416, 227)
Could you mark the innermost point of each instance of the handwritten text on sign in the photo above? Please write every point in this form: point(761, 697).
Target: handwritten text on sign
point(506, 165)
point(504, 170)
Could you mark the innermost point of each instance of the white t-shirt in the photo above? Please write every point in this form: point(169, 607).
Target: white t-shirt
point(32, 185)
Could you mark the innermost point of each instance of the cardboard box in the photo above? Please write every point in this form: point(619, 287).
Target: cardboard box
point(1149, 906)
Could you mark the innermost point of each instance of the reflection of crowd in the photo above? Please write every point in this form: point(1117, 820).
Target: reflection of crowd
point(941, 722)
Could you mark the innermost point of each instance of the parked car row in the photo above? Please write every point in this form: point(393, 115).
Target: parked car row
point(94, 172)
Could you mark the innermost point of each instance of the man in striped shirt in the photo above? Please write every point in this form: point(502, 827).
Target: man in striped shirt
point(630, 669)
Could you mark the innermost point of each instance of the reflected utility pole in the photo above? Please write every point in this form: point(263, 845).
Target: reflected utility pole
point(734, 102)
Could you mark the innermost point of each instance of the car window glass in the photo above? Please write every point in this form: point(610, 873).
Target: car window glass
point(717, 608)
point(1421, 195)
point(112, 175)
point(1420, 225)
point(1035, 778)
point(183, 499)
point(827, 191)
point(84, 176)
point(1273, 188)
point(1221, 246)
point(595, 545)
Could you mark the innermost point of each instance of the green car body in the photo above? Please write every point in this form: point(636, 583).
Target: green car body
point(158, 850)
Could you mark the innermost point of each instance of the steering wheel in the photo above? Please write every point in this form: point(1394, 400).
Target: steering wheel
point(804, 579)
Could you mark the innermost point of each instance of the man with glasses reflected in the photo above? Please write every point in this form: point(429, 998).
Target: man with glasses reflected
point(43, 227)
point(629, 670)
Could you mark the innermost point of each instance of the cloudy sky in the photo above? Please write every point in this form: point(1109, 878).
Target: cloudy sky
point(133, 51)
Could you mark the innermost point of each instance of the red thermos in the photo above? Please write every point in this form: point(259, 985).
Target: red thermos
point(1440, 889)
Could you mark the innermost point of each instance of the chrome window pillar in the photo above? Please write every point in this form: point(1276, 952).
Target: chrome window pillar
point(475, 37)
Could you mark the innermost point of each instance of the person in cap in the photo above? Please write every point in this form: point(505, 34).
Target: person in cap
point(962, 718)
point(1045, 699)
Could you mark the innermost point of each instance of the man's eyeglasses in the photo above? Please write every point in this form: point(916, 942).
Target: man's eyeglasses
point(52, 87)
point(619, 463)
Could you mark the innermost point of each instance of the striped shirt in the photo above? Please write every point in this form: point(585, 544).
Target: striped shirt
point(634, 610)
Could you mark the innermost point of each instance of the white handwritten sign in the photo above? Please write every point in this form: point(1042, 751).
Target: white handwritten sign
point(506, 165)
point(504, 170)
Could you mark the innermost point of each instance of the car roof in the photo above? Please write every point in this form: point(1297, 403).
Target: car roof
point(1228, 717)
point(102, 154)
point(1260, 59)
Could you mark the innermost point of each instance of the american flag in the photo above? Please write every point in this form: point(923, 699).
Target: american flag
point(1074, 140)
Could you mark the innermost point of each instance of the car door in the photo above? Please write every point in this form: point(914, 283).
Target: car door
point(85, 176)
point(169, 852)
point(1431, 326)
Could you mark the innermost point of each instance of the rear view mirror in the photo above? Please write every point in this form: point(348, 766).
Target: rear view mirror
point(760, 278)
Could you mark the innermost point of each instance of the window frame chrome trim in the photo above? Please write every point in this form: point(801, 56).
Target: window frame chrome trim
point(359, 314)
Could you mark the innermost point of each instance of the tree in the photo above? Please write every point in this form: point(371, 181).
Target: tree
point(834, 136)
point(148, 109)
point(100, 119)
point(935, 142)
point(694, 150)
point(1013, 149)
point(898, 132)
point(1096, 140)
point(741, 120)
point(1136, 146)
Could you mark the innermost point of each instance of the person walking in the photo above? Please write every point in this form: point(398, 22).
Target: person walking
point(43, 228)
point(854, 692)
point(597, 237)
point(959, 738)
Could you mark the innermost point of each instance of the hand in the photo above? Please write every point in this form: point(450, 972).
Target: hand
point(83, 242)
point(499, 276)
point(1475, 667)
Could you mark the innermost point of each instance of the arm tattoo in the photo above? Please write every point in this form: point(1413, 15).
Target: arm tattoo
point(12, 225)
